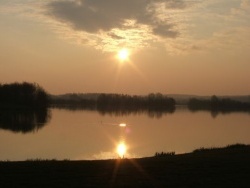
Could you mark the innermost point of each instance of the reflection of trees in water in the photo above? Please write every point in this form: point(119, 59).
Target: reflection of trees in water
point(24, 120)
point(152, 113)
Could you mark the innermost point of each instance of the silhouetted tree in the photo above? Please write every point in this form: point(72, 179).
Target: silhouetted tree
point(23, 95)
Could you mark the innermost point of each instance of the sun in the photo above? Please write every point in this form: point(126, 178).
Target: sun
point(123, 54)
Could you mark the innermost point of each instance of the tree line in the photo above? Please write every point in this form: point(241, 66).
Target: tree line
point(218, 104)
point(117, 102)
point(152, 102)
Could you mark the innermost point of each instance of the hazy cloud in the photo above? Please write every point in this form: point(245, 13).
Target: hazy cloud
point(245, 4)
point(177, 4)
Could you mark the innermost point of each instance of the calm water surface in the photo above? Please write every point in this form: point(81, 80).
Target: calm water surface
point(77, 135)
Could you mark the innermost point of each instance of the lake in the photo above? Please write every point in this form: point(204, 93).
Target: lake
point(82, 134)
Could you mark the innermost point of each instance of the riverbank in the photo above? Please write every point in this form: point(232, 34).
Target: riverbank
point(218, 167)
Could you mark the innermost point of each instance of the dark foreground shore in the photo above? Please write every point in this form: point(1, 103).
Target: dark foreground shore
point(224, 167)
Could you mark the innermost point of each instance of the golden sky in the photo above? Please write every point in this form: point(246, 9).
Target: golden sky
point(171, 46)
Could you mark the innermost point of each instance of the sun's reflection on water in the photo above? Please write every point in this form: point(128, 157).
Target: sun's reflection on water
point(121, 146)
point(122, 124)
point(121, 149)
point(118, 140)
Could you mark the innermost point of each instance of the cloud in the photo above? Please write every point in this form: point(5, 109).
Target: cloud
point(182, 26)
point(93, 16)
point(111, 24)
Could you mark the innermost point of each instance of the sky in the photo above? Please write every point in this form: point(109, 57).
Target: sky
point(197, 47)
